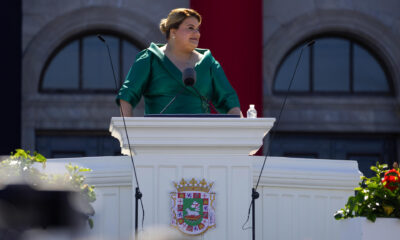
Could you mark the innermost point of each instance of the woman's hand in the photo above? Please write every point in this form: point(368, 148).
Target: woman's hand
point(126, 108)
point(236, 111)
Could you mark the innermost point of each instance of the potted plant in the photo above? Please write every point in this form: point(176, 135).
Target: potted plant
point(22, 167)
point(374, 211)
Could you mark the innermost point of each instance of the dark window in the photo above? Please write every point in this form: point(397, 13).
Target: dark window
point(302, 80)
point(66, 144)
point(368, 74)
point(333, 65)
point(82, 65)
point(63, 71)
point(364, 148)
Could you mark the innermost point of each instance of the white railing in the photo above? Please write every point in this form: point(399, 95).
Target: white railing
point(298, 197)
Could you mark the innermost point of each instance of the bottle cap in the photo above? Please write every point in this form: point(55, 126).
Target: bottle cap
point(252, 105)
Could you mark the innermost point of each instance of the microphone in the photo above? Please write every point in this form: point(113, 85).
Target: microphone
point(189, 79)
point(101, 38)
point(310, 43)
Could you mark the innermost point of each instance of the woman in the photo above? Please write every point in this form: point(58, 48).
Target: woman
point(157, 73)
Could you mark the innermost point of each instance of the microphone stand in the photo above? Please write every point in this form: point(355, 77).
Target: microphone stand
point(170, 102)
point(138, 194)
point(254, 194)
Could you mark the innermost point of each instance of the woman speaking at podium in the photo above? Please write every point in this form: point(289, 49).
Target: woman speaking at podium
point(157, 73)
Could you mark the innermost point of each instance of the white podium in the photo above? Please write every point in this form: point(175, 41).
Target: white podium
point(169, 149)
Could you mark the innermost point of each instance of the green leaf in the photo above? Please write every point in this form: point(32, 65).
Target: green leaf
point(40, 158)
point(374, 179)
point(85, 170)
point(338, 215)
point(90, 221)
point(363, 177)
point(371, 217)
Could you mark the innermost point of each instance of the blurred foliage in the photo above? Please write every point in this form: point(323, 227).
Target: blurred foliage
point(22, 166)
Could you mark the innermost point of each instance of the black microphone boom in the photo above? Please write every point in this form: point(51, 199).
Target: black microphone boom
point(170, 102)
point(255, 194)
point(138, 194)
point(308, 44)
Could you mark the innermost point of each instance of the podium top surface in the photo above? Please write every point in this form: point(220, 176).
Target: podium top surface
point(190, 135)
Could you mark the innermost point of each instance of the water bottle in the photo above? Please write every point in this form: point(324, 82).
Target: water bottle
point(252, 112)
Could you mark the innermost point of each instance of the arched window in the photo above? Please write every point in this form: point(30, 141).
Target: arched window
point(81, 65)
point(333, 65)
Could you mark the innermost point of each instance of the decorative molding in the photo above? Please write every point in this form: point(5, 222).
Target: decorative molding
point(155, 135)
point(307, 173)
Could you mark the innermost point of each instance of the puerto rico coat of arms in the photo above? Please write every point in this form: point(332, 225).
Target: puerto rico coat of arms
point(192, 210)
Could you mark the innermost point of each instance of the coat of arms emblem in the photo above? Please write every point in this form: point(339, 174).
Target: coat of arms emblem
point(192, 210)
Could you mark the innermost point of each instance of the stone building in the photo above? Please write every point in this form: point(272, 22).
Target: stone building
point(343, 103)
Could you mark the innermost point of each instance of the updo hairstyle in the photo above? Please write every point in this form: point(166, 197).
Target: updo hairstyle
point(175, 18)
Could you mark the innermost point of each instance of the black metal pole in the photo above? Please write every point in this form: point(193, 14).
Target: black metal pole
point(138, 195)
point(254, 196)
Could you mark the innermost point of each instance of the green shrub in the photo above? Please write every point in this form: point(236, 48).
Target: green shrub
point(378, 196)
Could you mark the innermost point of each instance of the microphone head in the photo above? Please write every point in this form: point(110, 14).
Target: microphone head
point(189, 77)
point(101, 38)
point(310, 43)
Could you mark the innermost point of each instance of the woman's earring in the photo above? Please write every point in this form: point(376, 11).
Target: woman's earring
point(173, 36)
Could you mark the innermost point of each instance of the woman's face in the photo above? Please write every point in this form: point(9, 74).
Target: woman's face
point(188, 34)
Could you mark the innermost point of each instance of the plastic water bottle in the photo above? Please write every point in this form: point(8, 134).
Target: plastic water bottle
point(252, 112)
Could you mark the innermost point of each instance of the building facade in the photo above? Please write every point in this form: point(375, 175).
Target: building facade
point(343, 103)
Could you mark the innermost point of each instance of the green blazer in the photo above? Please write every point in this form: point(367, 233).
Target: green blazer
point(155, 77)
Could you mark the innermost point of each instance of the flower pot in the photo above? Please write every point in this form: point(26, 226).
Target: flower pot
point(361, 228)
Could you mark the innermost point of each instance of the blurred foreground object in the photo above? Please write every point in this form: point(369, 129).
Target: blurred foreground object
point(23, 207)
point(33, 199)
